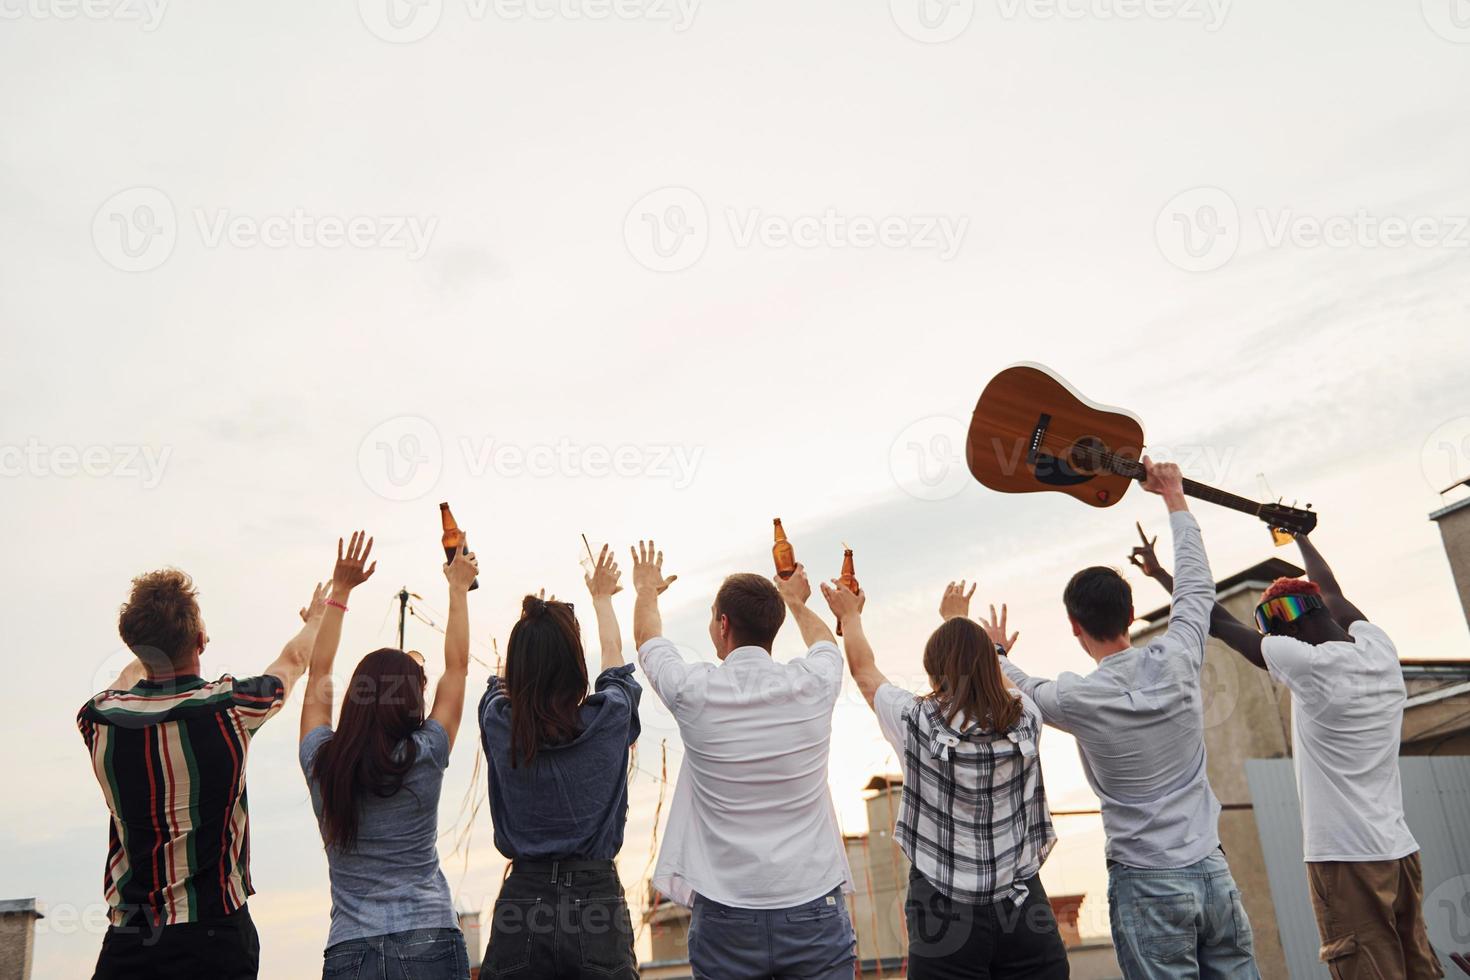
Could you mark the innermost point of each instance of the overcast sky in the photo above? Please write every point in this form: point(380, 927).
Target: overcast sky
point(272, 272)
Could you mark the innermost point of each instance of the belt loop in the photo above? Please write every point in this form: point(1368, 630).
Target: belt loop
point(554, 866)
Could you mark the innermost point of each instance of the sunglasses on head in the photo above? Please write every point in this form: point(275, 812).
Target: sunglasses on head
point(1285, 609)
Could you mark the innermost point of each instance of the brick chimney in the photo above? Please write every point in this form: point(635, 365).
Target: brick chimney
point(1065, 908)
point(17, 937)
point(469, 924)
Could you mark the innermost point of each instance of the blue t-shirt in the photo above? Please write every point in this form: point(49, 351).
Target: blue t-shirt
point(572, 801)
point(392, 881)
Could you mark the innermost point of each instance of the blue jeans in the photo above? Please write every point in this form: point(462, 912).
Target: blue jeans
point(423, 954)
point(811, 941)
point(1178, 923)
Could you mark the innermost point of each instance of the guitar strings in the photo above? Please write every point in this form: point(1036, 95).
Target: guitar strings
point(1114, 462)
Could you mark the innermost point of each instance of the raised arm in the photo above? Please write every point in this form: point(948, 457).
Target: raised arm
point(347, 575)
point(603, 584)
point(795, 591)
point(294, 656)
point(1243, 639)
point(1194, 585)
point(861, 662)
point(1143, 558)
point(648, 584)
point(449, 693)
point(1318, 571)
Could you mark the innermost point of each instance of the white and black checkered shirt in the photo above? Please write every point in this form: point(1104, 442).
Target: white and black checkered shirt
point(974, 819)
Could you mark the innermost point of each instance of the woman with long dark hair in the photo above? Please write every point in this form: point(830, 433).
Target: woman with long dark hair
point(973, 819)
point(557, 759)
point(375, 782)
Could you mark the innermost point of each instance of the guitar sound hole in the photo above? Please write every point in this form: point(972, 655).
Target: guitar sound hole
point(1088, 455)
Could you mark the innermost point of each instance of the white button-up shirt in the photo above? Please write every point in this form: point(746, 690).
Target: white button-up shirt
point(751, 824)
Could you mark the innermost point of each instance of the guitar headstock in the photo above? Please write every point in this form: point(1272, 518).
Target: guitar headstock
point(1293, 520)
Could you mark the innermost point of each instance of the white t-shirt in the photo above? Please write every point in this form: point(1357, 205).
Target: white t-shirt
point(1347, 714)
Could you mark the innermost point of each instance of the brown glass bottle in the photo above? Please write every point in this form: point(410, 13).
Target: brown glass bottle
point(782, 551)
point(848, 579)
point(453, 538)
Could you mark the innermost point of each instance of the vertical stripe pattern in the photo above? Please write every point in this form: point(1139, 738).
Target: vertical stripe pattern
point(170, 760)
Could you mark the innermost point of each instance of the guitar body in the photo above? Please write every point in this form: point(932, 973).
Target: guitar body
point(1032, 432)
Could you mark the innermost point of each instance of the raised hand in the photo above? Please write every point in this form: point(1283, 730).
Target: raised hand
point(648, 569)
point(312, 611)
point(462, 570)
point(796, 588)
point(603, 582)
point(996, 629)
point(955, 603)
point(1163, 478)
point(349, 573)
point(1142, 556)
point(844, 604)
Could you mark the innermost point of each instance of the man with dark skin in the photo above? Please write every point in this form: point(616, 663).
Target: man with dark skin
point(1347, 698)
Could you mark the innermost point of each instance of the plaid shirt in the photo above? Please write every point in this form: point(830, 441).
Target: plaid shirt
point(973, 819)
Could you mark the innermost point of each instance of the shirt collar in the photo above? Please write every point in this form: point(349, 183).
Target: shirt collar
point(179, 682)
point(740, 654)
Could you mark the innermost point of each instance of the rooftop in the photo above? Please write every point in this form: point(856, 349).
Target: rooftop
point(20, 906)
point(1450, 509)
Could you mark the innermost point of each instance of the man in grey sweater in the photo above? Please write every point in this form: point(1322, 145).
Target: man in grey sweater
point(1139, 725)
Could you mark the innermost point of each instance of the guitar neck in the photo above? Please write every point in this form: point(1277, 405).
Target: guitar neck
point(1197, 490)
point(1222, 497)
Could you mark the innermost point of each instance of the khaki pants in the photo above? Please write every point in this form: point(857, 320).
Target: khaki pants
point(1370, 915)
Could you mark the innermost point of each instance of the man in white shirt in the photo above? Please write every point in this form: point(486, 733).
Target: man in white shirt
point(1139, 724)
point(752, 844)
point(1347, 715)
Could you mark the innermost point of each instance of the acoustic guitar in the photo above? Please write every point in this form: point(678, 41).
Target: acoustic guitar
point(1033, 432)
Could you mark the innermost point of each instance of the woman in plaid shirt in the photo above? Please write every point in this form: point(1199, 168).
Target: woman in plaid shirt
point(973, 821)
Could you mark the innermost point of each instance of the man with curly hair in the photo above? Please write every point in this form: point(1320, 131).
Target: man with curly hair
point(168, 749)
point(1347, 715)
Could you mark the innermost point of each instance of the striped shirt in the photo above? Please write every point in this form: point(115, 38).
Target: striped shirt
point(170, 758)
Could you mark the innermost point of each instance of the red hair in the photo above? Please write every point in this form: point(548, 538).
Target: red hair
point(1290, 586)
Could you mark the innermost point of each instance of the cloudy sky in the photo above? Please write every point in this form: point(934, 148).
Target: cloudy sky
point(276, 271)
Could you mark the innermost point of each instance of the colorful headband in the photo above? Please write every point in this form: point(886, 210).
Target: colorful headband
point(1285, 609)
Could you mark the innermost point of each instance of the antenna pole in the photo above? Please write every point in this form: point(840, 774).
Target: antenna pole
point(402, 613)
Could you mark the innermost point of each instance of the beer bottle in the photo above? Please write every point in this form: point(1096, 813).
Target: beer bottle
point(453, 538)
point(848, 578)
point(784, 554)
